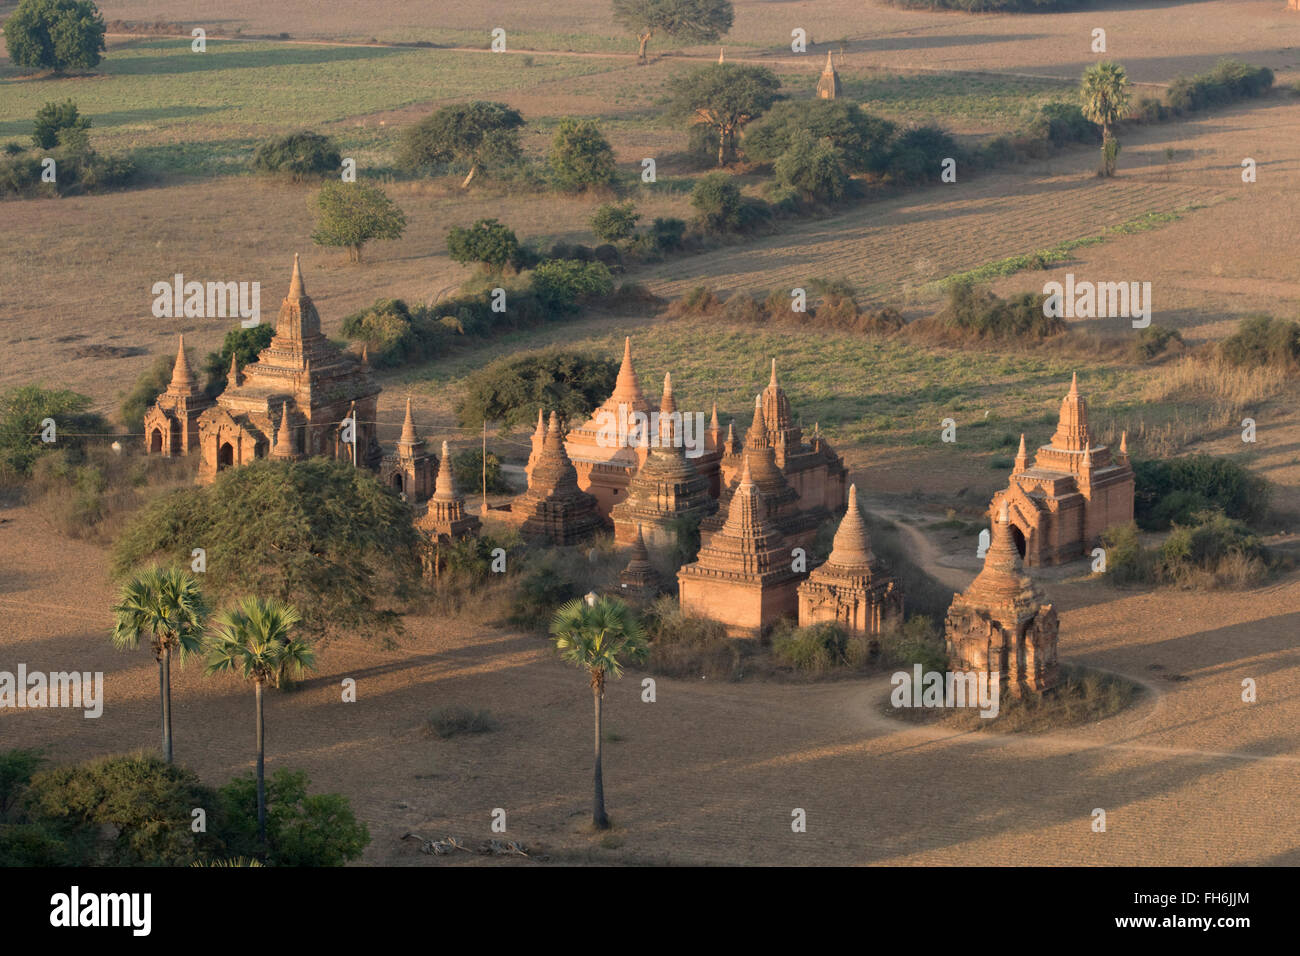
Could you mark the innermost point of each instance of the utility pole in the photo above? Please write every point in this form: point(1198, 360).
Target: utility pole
point(485, 508)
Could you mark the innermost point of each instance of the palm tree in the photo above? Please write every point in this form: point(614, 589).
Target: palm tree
point(165, 605)
point(1105, 93)
point(593, 634)
point(254, 639)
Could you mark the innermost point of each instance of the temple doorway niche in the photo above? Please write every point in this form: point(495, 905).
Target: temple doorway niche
point(225, 456)
point(1018, 537)
point(155, 442)
point(398, 482)
point(175, 446)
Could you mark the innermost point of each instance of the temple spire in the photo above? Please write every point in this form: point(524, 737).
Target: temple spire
point(444, 488)
point(296, 288)
point(409, 437)
point(233, 377)
point(284, 436)
point(1022, 456)
point(182, 378)
point(852, 544)
point(772, 383)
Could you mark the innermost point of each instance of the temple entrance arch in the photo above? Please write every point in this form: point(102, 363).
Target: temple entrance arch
point(225, 456)
point(155, 442)
point(398, 482)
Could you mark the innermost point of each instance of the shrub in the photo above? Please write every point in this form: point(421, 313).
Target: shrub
point(301, 829)
point(913, 642)
point(450, 721)
point(668, 233)
point(542, 588)
point(55, 35)
point(716, 200)
point(487, 242)
point(917, 155)
point(562, 283)
point(615, 221)
point(299, 155)
point(151, 383)
point(23, 408)
point(244, 344)
point(1229, 80)
point(132, 810)
point(1173, 491)
point(1262, 340)
point(816, 648)
point(862, 139)
point(469, 473)
point(814, 168)
point(1127, 562)
point(580, 157)
point(511, 389)
point(683, 646)
point(469, 136)
point(52, 119)
point(388, 330)
point(1154, 341)
point(973, 311)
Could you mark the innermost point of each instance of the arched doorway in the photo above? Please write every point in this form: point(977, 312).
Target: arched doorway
point(155, 442)
point(1018, 537)
point(398, 481)
point(225, 456)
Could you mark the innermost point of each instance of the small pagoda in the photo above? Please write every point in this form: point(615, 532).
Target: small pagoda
point(851, 587)
point(171, 424)
point(446, 517)
point(554, 508)
point(639, 582)
point(1000, 623)
point(408, 468)
point(828, 84)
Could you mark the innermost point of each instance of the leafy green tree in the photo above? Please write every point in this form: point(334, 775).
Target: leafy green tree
point(512, 389)
point(1105, 94)
point(864, 139)
point(717, 203)
point(243, 344)
point(54, 118)
point(151, 383)
point(723, 97)
point(16, 769)
point(487, 242)
point(615, 221)
point(132, 810)
point(580, 157)
point(813, 167)
point(301, 155)
point(255, 640)
point(689, 21)
point(352, 214)
point(23, 408)
point(301, 829)
point(598, 637)
point(467, 468)
point(477, 135)
point(319, 533)
point(166, 607)
point(55, 35)
point(561, 283)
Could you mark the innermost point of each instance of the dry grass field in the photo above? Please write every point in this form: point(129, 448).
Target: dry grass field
point(709, 773)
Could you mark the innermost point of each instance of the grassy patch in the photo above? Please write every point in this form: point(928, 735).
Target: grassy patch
point(1061, 252)
point(451, 721)
point(1084, 696)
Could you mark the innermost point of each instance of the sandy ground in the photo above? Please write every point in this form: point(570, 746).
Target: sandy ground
point(710, 773)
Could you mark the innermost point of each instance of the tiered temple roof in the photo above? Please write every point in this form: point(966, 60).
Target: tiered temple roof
point(666, 488)
point(744, 576)
point(554, 508)
point(445, 516)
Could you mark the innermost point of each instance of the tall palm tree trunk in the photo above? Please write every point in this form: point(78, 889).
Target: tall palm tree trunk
point(598, 818)
point(162, 701)
point(165, 668)
point(261, 767)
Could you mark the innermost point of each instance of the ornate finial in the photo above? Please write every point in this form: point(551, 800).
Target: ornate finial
point(181, 377)
point(1074, 384)
point(1123, 443)
point(296, 288)
point(772, 383)
point(745, 480)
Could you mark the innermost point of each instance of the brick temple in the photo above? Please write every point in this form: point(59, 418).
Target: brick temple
point(1075, 490)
